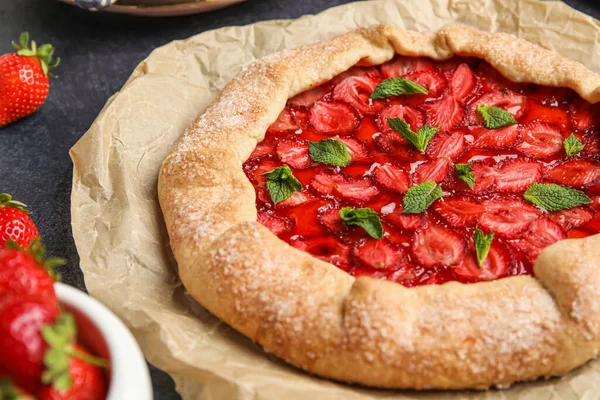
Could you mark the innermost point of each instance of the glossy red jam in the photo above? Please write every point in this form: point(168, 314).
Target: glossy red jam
point(435, 246)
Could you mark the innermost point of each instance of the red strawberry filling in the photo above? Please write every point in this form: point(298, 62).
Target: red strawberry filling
point(436, 245)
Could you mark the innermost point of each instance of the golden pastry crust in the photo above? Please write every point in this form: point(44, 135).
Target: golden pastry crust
point(366, 331)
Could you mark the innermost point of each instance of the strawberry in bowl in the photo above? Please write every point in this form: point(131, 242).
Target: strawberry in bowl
point(56, 342)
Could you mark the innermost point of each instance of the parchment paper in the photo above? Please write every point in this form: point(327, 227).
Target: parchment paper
point(118, 226)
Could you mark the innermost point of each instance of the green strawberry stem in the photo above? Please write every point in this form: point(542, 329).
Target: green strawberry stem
point(7, 201)
point(38, 252)
point(88, 358)
point(60, 337)
point(44, 54)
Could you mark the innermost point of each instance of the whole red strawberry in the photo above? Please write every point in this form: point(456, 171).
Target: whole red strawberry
point(22, 346)
point(24, 274)
point(71, 372)
point(24, 79)
point(15, 223)
point(87, 382)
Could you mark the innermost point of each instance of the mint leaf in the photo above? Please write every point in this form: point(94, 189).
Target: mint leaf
point(482, 244)
point(397, 86)
point(553, 197)
point(419, 139)
point(495, 117)
point(465, 172)
point(281, 183)
point(329, 151)
point(418, 198)
point(572, 145)
point(366, 218)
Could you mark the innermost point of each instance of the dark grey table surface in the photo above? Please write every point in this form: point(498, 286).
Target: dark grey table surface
point(99, 51)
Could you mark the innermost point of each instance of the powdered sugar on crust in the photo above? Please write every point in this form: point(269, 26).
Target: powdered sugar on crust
point(319, 318)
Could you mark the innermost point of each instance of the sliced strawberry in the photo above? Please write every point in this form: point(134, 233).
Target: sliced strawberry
point(294, 152)
point(402, 65)
point(507, 216)
point(573, 217)
point(408, 222)
point(540, 140)
point(434, 82)
point(413, 117)
point(265, 147)
point(332, 220)
point(295, 199)
point(592, 144)
point(495, 266)
point(433, 170)
point(459, 211)
point(392, 143)
point(285, 122)
point(463, 82)
point(262, 194)
point(305, 218)
point(447, 144)
point(437, 246)
point(372, 72)
point(380, 254)
point(310, 97)
point(357, 91)
point(333, 117)
point(445, 113)
point(510, 101)
point(326, 248)
point(331, 182)
point(485, 177)
point(357, 190)
point(265, 165)
point(391, 177)
point(357, 150)
point(517, 175)
point(575, 173)
point(403, 275)
point(275, 224)
point(325, 180)
point(540, 234)
point(429, 277)
point(495, 138)
point(491, 79)
point(584, 115)
point(302, 119)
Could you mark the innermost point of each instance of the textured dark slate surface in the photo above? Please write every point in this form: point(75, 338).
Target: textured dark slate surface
point(99, 51)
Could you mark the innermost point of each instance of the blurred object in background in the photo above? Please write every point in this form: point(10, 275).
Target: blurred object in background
point(93, 4)
point(153, 8)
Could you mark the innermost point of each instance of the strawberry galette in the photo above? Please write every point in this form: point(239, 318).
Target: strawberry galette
point(399, 209)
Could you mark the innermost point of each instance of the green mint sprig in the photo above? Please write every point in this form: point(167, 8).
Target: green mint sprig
point(366, 218)
point(397, 86)
point(418, 198)
point(419, 139)
point(281, 183)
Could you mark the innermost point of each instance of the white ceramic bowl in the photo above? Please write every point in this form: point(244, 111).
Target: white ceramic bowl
point(102, 333)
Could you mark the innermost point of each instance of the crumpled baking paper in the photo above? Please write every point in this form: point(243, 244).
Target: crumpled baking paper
point(118, 226)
